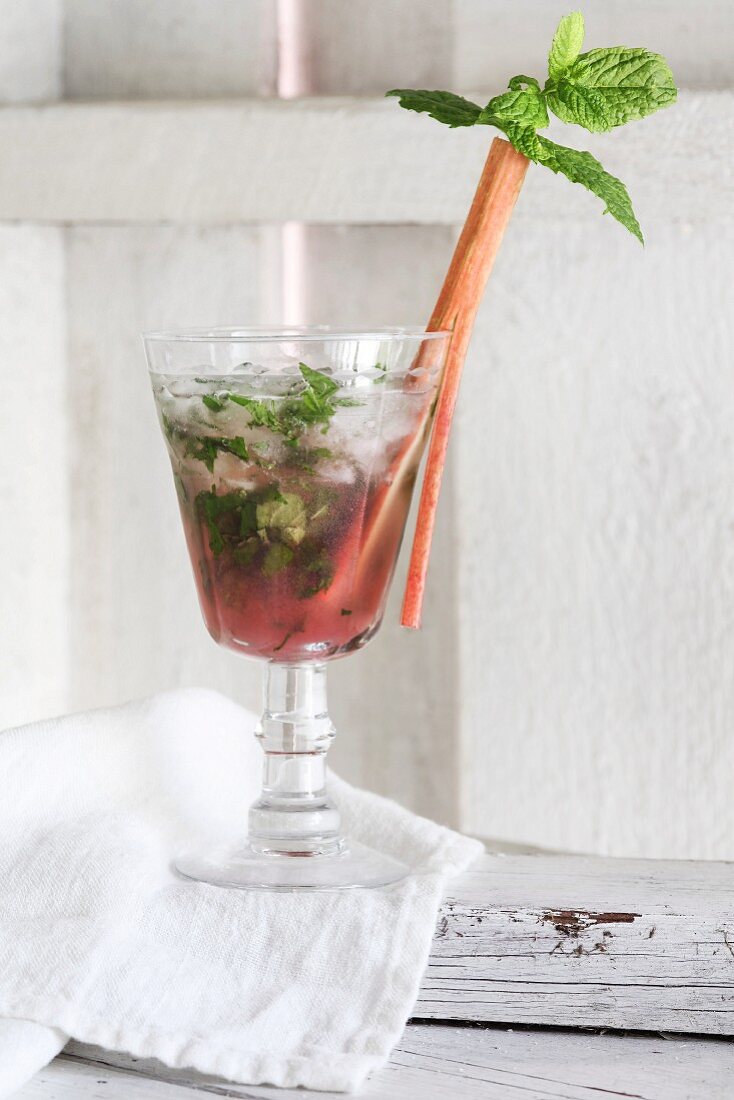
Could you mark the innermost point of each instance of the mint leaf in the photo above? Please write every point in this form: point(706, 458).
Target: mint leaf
point(579, 167)
point(452, 110)
point(289, 635)
point(213, 507)
point(205, 448)
point(286, 516)
point(245, 553)
point(321, 574)
point(319, 382)
point(606, 88)
point(582, 106)
point(316, 405)
point(566, 44)
point(263, 414)
point(521, 106)
point(213, 403)
point(277, 557)
point(583, 168)
point(235, 446)
point(248, 519)
point(525, 140)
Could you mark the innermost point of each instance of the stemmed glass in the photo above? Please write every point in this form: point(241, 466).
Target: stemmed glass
point(294, 455)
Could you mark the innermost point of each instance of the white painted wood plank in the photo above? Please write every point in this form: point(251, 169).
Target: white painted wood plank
point(368, 46)
point(30, 50)
point(331, 161)
point(493, 40)
point(34, 487)
point(661, 886)
point(447, 1063)
point(136, 627)
point(372, 274)
point(224, 47)
point(594, 457)
point(586, 942)
point(168, 48)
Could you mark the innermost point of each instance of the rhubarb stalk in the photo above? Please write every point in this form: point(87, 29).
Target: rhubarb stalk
point(456, 308)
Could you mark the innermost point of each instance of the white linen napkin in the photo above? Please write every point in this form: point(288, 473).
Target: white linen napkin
point(100, 941)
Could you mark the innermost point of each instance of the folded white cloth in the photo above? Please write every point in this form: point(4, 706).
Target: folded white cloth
point(100, 941)
point(25, 1047)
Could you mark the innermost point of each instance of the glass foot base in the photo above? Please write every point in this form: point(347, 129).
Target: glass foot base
point(246, 869)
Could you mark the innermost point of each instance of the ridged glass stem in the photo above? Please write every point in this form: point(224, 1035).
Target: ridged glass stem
point(293, 815)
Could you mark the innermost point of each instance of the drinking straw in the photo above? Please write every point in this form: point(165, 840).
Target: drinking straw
point(456, 308)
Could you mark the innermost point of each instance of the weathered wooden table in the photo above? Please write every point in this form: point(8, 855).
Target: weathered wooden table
point(534, 958)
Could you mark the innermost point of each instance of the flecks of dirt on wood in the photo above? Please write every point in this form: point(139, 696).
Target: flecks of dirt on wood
point(728, 943)
point(572, 922)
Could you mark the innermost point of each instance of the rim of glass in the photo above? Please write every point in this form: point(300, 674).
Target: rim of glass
point(266, 334)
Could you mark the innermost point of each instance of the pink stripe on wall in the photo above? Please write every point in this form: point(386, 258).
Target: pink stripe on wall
point(292, 80)
point(293, 68)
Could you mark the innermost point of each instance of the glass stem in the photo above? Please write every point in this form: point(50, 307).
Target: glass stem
point(293, 815)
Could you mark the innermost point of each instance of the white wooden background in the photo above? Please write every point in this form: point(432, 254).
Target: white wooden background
point(574, 684)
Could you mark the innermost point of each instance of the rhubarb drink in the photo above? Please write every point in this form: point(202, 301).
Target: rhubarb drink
point(294, 483)
point(294, 455)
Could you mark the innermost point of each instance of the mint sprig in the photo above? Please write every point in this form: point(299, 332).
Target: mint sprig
point(314, 405)
point(598, 90)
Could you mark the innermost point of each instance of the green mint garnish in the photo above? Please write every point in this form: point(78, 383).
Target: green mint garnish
point(318, 383)
point(248, 518)
point(236, 446)
point(277, 556)
point(321, 574)
point(285, 516)
point(566, 45)
point(317, 404)
point(265, 528)
point(287, 638)
point(246, 552)
point(213, 508)
point(216, 404)
point(205, 448)
point(452, 110)
point(291, 417)
point(315, 453)
point(263, 414)
point(598, 90)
